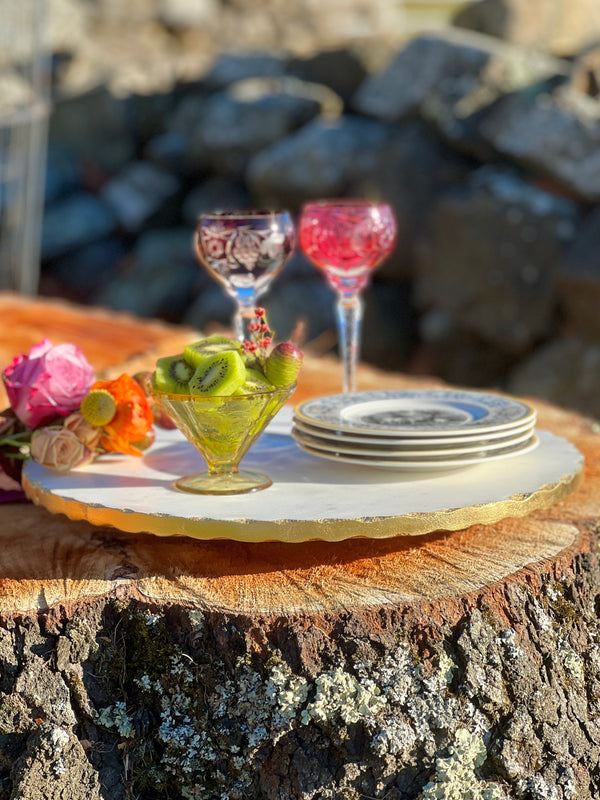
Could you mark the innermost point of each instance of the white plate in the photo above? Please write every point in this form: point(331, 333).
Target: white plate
point(430, 412)
point(435, 463)
point(413, 441)
point(393, 451)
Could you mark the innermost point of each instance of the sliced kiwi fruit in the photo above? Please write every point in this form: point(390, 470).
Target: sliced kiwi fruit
point(254, 382)
point(172, 374)
point(218, 374)
point(197, 352)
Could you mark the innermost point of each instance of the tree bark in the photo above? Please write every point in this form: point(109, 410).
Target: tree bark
point(452, 665)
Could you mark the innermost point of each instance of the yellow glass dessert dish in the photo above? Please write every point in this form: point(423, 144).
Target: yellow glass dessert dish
point(222, 429)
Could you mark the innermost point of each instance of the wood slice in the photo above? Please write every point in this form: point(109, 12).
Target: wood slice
point(452, 665)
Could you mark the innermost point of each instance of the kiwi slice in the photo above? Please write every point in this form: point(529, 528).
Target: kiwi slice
point(254, 382)
point(172, 374)
point(196, 352)
point(218, 374)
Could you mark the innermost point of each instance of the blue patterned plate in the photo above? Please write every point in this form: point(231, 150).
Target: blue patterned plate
point(423, 413)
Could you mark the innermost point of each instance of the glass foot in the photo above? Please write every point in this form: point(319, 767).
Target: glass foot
point(239, 482)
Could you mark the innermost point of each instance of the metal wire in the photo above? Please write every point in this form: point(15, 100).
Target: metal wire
point(24, 109)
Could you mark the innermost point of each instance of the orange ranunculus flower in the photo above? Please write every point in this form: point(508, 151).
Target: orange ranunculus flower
point(132, 423)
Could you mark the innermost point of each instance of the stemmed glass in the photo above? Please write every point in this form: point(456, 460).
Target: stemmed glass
point(347, 240)
point(244, 251)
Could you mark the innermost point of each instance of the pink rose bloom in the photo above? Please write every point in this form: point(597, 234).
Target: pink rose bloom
point(50, 382)
point(59, 448)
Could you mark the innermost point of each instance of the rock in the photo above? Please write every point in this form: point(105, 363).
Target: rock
point(63, 172)
point(554, 132)
point(341, 70)
point(232, 125)
point(491, 256)
point(161, 280)
point(579, 280)
point(410, 170)
point(79, 219)
point(565, 371)
point(214, 194)
point(168, 150)
point(307, 302)
point(319, 160)
point(585, 75)
point(95, 125)
point(389, 331)
point(451, 79)
point(84, 272)
point(183, 14)
point(558, 26)
point(458, 356)
point(230, 68)
point(211, 307)
point(138, 192)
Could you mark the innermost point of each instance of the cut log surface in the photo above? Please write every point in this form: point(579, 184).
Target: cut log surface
point(450, 665)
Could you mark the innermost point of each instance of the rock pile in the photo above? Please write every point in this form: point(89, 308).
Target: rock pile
point(489, 152)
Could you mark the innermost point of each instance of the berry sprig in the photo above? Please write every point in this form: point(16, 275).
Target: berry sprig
point(261, 336)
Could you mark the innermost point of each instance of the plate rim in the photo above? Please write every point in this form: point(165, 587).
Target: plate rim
point(341, 436)
point(430, 466)
point(330, 446)
point(387, 394)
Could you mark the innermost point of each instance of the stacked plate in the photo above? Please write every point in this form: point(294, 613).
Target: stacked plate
point(429, 429)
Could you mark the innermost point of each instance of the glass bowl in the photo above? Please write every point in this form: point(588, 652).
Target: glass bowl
point(222, 429)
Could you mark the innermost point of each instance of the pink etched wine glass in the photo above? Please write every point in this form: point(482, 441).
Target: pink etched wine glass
point(244, 251)
point(347, 240)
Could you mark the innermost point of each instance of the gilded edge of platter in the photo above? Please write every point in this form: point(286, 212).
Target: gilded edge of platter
point(292, 531)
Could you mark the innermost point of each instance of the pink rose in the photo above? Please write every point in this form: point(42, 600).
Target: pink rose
point(59, 448)
point(50, 382)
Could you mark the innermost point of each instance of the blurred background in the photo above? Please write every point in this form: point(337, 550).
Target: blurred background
point(478, 121)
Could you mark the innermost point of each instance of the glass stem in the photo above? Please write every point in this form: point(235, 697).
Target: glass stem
point(349, 311)
point(244, 315)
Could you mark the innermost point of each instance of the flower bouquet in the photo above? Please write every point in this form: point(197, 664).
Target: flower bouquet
point(63, 418)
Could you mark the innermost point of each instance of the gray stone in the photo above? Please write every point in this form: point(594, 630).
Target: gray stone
point(320, 160)
point(411, 169)
point(457, 355)
point(183, 14)
point(452, 78)
point(161, 280)
point(579, 280)
point(212, 307)
point(234, 124)
point(454, 65)
point(304, 305)
point(554, 133)
point(214, 194)
point(564, 371)
point(85, 271)
point(389, 329)
point(96, 126)
point(138, 192)
point(559, 26)
point(491, 256)
point(232, 67)
point(79, 219)
point(63, 172)
point(341, 70)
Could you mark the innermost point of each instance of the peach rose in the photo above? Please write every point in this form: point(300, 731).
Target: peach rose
point(59, 448)
point(88, 434)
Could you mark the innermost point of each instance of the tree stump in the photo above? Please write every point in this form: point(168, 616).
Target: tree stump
point(450, 665)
